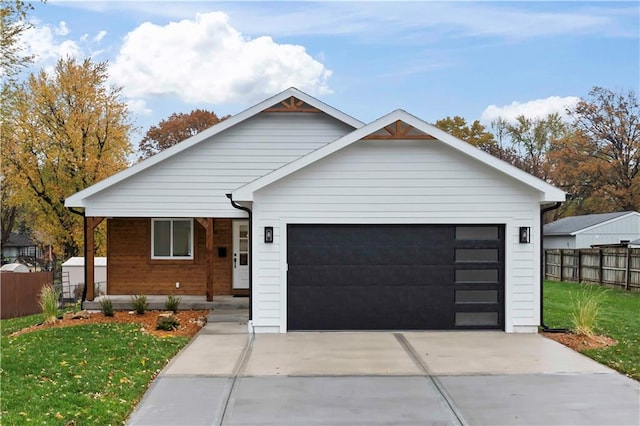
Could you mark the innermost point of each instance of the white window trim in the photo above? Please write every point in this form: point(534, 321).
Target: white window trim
point(172, 257)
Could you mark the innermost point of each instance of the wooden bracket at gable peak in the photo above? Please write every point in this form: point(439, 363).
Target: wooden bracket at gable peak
point(292, 104)
point(398, 130)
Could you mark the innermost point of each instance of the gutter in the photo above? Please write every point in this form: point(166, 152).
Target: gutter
point(545, 328)
point(248, 210)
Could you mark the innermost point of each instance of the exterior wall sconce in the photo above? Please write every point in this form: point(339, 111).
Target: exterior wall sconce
point(268, 234)
point(525, 235)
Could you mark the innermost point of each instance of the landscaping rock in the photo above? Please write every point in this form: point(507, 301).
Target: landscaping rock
point(81, 315)
point(68, 315)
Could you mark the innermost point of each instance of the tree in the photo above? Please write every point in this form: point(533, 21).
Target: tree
point(609, 122)
point(175, 129)
point(533, 139)
point(475, 134)
point(13, 24)
point(69, 130)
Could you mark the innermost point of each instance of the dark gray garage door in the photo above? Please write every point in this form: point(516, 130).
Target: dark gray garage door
point(395, 277)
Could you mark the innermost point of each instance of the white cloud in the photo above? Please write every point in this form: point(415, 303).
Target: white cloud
point(138, 106)
point(43, 42)
point(207, 60)
point(62, 29)
point(538, 108)
point(98, 38)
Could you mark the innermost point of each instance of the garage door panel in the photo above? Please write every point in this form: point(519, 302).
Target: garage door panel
point(379, 235)
point(384, 277)
point(370, 254)
point(409, 308)
point(371, 275)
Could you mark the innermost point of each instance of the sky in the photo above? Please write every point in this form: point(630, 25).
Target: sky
point(478, 60)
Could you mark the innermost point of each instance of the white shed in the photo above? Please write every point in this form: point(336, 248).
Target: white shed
point(73, 275)
point(14, 267)
point(590, 230)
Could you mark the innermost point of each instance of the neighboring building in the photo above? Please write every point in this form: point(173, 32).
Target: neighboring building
point(73, 276)
point(390, 225)
point(20, 247)
point(585, 231)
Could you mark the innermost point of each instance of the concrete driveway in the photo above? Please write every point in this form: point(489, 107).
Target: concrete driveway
point(406, 378)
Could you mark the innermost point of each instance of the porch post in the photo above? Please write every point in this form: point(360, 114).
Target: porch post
point(207, 224)
point(89, 260)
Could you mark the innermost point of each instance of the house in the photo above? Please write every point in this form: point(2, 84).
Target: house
point(20, 246)
point(328, 223)
point(592, 230)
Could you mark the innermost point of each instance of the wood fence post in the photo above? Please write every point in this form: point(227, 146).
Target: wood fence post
point(600, 267)
point(627, 275)
point(579, 266)
point(561, 263)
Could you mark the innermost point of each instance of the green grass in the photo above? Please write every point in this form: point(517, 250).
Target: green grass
point(619, 318)
point(91, 374)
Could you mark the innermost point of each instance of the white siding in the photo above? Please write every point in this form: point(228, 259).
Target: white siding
point(560, 242)
point(625, 228)
point(194, 182)
point(396, 182)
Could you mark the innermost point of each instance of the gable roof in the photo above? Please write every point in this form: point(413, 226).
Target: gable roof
point(19, 240)
point(399, 124)
point(576, 224)
point(281, 101)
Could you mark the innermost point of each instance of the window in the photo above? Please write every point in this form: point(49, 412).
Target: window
point(171, 238)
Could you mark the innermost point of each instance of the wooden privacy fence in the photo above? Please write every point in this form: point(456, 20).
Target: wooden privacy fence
point(19, 292)
point(615, 267)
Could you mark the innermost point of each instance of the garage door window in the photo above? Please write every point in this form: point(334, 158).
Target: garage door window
point(476, 275)
point(477, 255)
point(474, 319)
point(477, 233)
point(476, 296)
point(172, 239)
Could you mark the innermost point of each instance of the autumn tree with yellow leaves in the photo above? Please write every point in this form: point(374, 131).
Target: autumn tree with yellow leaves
point(69, 130)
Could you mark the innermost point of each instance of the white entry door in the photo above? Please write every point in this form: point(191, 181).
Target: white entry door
point(240, 254)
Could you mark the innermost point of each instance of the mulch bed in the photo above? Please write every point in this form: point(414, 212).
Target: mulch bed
point(581, 342)
point(190, 322)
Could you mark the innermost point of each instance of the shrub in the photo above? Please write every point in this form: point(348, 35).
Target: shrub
point(106, 306)
point(586, 309)
point(49, 302)
point(139, 303)
point(168, 323)
point(172, 303)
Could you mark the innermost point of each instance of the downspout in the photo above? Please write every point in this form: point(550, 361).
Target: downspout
point(544, 327)
point(248, 210)
point(86, 254)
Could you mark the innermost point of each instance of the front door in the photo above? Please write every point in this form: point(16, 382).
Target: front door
point(240, 254)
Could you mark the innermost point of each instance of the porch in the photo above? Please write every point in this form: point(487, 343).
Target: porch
point(122, 302)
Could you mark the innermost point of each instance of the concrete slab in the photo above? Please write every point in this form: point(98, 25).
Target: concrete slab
point(209, 355)
point(225, 328)
point(183, 401)
point(337, 401)
point(455, 353)
point(313, 354)
point(549, 399)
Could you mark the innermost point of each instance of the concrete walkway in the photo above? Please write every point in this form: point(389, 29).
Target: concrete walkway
point(225, 376)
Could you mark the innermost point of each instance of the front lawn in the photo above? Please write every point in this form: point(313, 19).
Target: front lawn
point(85, 374)
point(619, 319)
